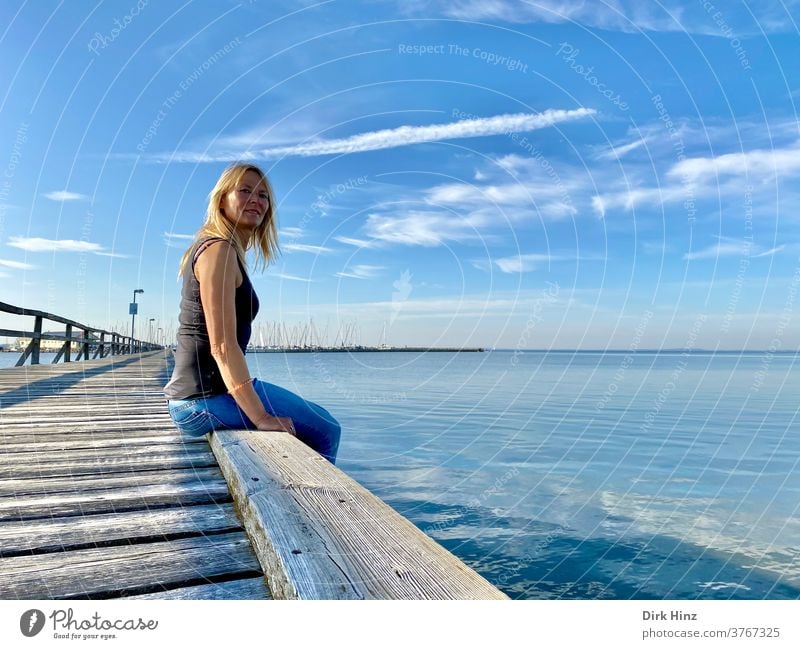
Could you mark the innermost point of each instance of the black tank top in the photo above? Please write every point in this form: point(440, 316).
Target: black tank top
point(196, 374)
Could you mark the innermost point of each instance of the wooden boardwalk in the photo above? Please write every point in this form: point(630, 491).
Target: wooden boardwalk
point(100, 497)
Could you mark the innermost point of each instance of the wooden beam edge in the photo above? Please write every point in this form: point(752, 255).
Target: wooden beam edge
point(279, 577)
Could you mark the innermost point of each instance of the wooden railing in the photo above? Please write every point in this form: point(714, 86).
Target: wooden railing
point(100, 341)
point(318, 534)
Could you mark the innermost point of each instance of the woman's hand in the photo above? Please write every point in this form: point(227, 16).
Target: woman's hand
point(268, 422)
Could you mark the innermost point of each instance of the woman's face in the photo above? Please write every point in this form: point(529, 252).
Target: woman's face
point(247, 203)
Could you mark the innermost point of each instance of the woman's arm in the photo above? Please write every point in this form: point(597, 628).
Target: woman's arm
point(217, 272)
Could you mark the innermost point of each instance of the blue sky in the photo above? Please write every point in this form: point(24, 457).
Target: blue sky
point(498, 173)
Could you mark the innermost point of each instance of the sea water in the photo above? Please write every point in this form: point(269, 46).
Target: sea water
point(579, 475)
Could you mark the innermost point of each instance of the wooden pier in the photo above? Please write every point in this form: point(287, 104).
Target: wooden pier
point(101, 497)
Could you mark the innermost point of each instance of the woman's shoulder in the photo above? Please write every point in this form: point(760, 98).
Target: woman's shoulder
point(202, 244)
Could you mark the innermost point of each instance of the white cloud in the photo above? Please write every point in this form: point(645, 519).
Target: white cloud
point(302, 247)
point(396, 137)
point(64, 195)
point(599, 205)
point(521, 263)
point(629, 16)
point(416, 228)
point(273, 132)
point(630, 198)
point(35, 244)
point(461, 194)
point(293, 278)
point(693, 178)
point(617, 152)
point(533, 191)
point(771, 251)
point(16, 264)
point(717, 250)
point(361, 271)
point(612, 14)
point(525, 198)
point(755, 165)
point(358, 243)
point(291, 231)
point(116, 255)
point(175, 240)
point(728, 247)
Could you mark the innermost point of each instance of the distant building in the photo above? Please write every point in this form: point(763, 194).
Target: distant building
point(52, 345)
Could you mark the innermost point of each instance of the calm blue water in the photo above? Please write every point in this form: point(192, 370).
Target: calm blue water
point(578, 475)
point(9, 359)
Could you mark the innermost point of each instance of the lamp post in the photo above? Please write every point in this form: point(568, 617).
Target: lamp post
point(133, 309)
point(159, 334)
point(150, 330)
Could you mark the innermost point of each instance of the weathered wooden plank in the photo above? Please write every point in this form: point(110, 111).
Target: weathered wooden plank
point(122, 451)
point(44, 439)
point(93, 372)
point(90, 404)
point(49, 388)
point(127, 367)
point(37, 425)
point(91, 426)
point(127, 569)
point(26, 405)
point(42, 407)
point(120, 425)
point(95, 407)
point(113, 500)
point(45, 413)
point(69, 446)
point(101, 379)
point(40, 468)
point(33, 411)
point(102, 394)
point(85, 484)
point(320, 535)
point(68, 532)
point(255, 588)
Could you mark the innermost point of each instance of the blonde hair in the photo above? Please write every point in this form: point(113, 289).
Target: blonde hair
point(264, 238)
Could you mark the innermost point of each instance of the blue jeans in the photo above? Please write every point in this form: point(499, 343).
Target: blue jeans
point(314, 425)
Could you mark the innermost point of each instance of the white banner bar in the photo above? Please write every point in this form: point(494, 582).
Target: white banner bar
point(373, 624)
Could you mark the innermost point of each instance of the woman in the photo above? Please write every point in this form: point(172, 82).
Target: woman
point(211, 387)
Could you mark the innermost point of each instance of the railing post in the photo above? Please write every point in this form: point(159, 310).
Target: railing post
point(86, 344)
point(68, 344)
point(37, 339)
point(101, 346)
